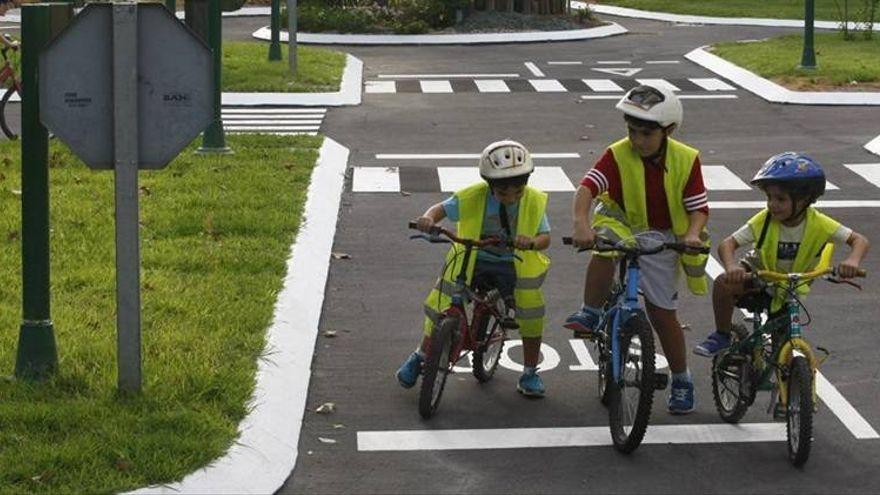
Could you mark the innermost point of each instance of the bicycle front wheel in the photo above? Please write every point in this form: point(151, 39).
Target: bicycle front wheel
point(3, 104)
point(799, 411)
point(732, 387)
point(437, 367)
point(630, 397)
point(490, 344)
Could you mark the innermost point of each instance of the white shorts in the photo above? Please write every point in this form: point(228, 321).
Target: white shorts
point(658, 276)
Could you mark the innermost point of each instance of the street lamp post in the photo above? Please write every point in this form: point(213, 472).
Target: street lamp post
point(808, 59)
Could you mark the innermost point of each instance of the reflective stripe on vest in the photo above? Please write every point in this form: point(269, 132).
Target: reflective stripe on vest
point(531, 270)
point(817, 232)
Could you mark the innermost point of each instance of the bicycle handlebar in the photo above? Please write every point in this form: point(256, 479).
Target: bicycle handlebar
point(772, 276)
point(606, 245)
point(437, 231)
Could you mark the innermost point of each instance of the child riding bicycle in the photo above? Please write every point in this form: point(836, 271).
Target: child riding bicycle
point(646, 181)
point(501, 206)
point(788, 236)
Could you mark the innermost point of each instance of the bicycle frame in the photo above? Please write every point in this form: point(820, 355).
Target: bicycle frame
point(626, 301)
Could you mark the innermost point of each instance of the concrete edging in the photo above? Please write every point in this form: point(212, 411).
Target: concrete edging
point(773, 92)
point(349, 92)
point(447, 39)
point(265, 453)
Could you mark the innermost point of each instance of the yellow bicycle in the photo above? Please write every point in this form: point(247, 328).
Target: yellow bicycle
point(776, 357)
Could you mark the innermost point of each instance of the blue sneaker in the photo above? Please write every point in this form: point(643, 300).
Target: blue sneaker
point(582, 322)
point(410, 370)
point(681, 397)
point(714, 343)
point(530, 385)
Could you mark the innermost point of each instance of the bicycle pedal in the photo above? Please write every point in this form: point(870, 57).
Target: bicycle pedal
point(660, 381)
point(509, 323)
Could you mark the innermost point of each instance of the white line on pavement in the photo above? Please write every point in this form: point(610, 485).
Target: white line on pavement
point(548, 179)
point(380, 87)
point(460, 156)
point(613, 62)
point(874, 145)
point(547, 86)
point(720, 178)
point(869, 171)
point(491, 86)
point(273, 121)
point(444, 76)
point(602, 85)
point(268, 128)
point(592, 436)
point(257, 110)
point(534, 69)
point(375, 179)
point(565, 63)
point(435, 86)
point(659, 83)
point(711, 84)
point(681, 97)
point(663, 62)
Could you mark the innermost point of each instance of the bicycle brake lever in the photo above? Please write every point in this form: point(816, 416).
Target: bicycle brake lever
point(835, 280)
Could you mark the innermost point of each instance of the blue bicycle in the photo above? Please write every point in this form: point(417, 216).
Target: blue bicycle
point(624, 341)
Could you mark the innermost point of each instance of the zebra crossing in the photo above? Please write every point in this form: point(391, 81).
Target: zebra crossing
point(272, 120)
point(412, 179)
point(543, 85)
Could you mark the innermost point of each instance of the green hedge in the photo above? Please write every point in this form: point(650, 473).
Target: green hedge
point(392, 16)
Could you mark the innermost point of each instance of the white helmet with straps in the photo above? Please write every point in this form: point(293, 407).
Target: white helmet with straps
point(505, 159)
point(652, 103)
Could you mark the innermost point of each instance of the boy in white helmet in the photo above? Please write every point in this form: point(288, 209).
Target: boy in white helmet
point(503, 206)
point(646, 181)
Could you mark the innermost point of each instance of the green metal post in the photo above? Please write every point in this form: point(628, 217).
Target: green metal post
point(213, 139)
point(808, 59)
point(275, 27)
point(37, 355)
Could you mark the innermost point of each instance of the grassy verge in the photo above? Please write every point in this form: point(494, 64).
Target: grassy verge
point(773, 9)
point(215, 235)
point(246, 67)
point(850, 65)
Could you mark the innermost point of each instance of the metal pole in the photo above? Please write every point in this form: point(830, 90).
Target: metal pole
point(808, 59)
point(125, 159)
point(214, 140)
point(291, 37)
point(37, 355)
point(275, 27)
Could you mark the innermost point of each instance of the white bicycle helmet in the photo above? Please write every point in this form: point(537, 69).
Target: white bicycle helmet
point(654, 104)
point(505, 159)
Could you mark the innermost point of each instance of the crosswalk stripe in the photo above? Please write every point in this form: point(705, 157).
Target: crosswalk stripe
point(869, 171)
point(375, 179)
point(271, 121)
point(491, 86)
point(602, 85)
point(441, 86)
point(270, 128)
point(272, 110)
point(547, 86)
point(659, 82)
point(549, 179)
point(380, 87)
point(711, 84)
point(720, 178)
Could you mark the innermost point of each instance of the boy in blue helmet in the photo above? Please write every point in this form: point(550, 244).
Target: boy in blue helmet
point(788, 236)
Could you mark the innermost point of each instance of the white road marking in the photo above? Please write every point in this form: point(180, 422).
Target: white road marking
point(565, 63)
point(622, 71)
point(579, 347)
point(380, 87)
point(436, 86)
point(869, 171)
point(711, 84)
point(720, 178)
point(593, 436)
point(461, 156)
point(375, 179)
point(271, 111)
point(549, 179)
point(757, 205)
point(659, 83)
point(534, 69)
point(547, 86)
point(830, 187)
point(681, 97)
point(602, 85)
point(873, 145)
point(614, 62)
point(444, 76)
point(455, 178)
point(270, 127)
point(655, 62)
point(273, 121)
point(491, 86)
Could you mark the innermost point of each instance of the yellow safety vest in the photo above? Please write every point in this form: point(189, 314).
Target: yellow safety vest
point(610, 220)
point(817, 231)
point(531, 268)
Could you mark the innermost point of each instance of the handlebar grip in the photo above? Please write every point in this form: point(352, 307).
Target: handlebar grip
point(413, 225)
point(862, 273)
point(567, 241)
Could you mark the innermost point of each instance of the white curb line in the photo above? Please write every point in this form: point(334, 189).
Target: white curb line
point(446, 39)
point(349, 92)
point(696, 19)
point(265, 453)
point(773, 92)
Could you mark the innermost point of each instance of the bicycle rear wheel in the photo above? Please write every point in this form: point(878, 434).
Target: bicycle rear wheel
point(490, 344)
point(799, 411)
point(3, 125)
point(732, 387)
point(630, 397)
point(437, 366)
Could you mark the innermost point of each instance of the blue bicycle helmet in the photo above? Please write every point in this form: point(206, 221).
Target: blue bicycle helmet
point(798, 174)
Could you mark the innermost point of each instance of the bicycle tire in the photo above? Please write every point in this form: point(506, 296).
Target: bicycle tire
point(628, 413)
point(490, 345)
point(799, 411)
point(604, 368)
point(732, 387)
point(3, 125)
point(437, 367)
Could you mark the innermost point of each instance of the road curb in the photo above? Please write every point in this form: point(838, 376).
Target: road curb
point(611, 29)
point(265, 453)
point(349, 93)
point(773, 92)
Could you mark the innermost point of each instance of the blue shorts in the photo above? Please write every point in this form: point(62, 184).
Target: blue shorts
point(493, 274)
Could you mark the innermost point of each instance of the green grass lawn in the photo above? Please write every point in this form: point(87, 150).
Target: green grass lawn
point(246, 68)
point(774, 9)
point(840, 63)
point(215, 235)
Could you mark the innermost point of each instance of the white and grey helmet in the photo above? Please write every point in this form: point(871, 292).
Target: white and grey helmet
point(505, 159)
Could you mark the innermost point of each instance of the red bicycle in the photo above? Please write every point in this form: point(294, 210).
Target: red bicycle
point(454, 334)
point(10, 78)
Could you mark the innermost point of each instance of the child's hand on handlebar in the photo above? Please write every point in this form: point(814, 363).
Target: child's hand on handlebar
point(524, 242)
point(735, 274)
point(583, 237)
point(847, 269)
point(425, 224)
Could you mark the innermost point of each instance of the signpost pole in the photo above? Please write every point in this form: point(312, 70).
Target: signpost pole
point(125, 158)
point(291, 37)
point(274, 28)
point(808, 58)
point(214, 140)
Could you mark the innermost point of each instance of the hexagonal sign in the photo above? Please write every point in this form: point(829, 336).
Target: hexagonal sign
point(175, 86)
